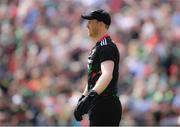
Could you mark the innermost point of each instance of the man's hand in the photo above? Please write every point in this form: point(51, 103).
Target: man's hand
point(77, 114)
point(86, 103)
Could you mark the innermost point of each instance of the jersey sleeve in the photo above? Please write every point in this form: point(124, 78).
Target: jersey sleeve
point(106, 53)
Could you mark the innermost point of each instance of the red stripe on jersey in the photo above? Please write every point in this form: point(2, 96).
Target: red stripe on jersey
point(102, 38)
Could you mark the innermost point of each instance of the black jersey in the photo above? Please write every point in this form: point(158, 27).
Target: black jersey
point(104, 50)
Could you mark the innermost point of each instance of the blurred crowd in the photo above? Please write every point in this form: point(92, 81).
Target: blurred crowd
point(43, 60)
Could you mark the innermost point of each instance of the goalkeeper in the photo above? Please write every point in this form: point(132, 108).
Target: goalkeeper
point(99, 98)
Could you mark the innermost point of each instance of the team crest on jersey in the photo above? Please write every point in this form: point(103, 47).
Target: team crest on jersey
point(92, 52)
point(90, 56)
point(90, 61)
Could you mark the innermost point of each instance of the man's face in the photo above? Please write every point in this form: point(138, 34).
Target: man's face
point(93, 26)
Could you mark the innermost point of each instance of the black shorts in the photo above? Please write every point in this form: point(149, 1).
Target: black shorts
point(106, 112)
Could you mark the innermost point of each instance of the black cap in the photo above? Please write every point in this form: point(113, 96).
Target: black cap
point(100, 15)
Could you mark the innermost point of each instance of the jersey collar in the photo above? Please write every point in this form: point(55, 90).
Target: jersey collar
point(102, 38)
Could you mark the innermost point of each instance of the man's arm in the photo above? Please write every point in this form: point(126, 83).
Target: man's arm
point(77, 114)
point(87, 101)
point(107, 68)
point(85, 90)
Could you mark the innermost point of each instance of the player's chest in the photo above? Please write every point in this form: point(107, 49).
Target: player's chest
point(93, 60)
